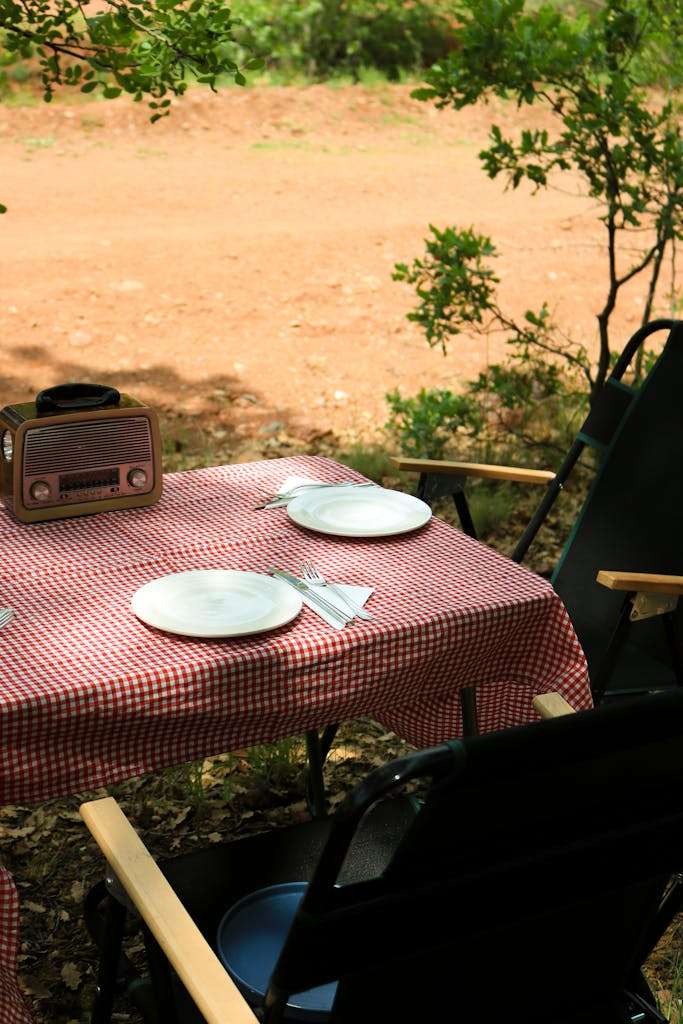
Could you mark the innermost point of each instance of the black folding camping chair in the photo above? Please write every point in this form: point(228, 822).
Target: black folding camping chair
point(622, 559)
point(531, 884)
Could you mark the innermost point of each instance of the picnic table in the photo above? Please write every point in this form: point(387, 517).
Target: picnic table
point(90, 696)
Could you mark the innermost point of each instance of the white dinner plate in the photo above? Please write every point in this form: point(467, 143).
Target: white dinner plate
point(362, 512)
point(216, 603)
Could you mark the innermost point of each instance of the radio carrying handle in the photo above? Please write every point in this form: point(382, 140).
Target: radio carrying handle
point(72, 397)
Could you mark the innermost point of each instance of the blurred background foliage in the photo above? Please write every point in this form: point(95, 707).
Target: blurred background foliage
point(314, 39)
point(325, 38)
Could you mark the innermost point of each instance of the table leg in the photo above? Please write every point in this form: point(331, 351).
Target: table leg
point(317, 749)
point(468, 705)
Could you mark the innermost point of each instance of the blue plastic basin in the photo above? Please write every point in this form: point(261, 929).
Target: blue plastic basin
point(250, 937)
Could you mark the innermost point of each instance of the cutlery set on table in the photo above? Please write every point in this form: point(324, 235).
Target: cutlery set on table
point(224, 603)
point(330, 600)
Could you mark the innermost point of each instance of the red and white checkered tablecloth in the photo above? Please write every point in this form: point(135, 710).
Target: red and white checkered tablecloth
point(89, 695)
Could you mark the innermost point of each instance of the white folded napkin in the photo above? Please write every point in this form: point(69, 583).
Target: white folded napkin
point(359, 595)
point(295, 481)
point(291, 483)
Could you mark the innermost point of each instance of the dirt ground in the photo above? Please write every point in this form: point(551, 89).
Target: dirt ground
point(234, 261)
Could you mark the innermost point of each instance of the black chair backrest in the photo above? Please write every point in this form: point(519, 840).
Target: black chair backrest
point(526, 888)
point(632, 518)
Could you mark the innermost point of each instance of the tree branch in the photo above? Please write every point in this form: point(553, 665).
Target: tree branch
point(33, 37)
point(604, 315)
point(639, 266)
point(555, 350)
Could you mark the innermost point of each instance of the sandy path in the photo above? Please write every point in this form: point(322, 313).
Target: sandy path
point(236, 258)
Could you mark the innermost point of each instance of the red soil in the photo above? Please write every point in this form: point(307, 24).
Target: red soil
point(237, 256)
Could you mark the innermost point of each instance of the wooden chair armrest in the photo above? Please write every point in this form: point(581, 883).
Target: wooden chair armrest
point(205, 978)
point(642, 582)
point(552, 705)
point(478, 469)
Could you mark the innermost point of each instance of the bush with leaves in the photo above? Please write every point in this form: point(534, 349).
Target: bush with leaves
point(147, 48)
point(526, 405)
point(530, 405)
point(425, 424)
point(320, 38)
point(590, 71)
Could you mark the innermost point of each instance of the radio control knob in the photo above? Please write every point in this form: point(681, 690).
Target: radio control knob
point(137, 478)
point(40, 491)
point(7, 446)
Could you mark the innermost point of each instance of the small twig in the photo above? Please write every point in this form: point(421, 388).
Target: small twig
point(33, 37)
point(647, 259)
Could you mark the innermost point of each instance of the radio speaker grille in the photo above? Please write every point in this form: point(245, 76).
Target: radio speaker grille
point(85, 446)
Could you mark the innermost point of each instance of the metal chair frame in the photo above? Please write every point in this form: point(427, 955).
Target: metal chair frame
point(421, 874)
point(432, 486)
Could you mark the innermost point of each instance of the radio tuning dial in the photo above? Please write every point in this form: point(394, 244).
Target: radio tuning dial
point(40, 491)
point(7, 446)
point(137, 478)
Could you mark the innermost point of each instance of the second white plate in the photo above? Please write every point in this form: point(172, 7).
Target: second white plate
point(216, 603)
point(362, 512)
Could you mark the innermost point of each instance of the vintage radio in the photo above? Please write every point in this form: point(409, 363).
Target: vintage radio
point(78, 449)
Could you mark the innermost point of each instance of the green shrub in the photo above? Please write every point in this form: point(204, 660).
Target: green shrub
point(321, 38)
point(492, 505)
point(532, 405)
point(274, 762)
point(370, 460)
point(426, 423)
point(527, 410)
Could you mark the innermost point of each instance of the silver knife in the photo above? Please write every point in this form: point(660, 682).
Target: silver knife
point(312, 595)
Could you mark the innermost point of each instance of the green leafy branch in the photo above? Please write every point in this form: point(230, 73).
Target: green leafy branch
point(590, 71)
point(456, 289)
point(140, 47)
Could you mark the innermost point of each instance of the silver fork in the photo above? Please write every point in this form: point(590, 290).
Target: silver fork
point(276, 500)
point(313, 575)
point(5, 615)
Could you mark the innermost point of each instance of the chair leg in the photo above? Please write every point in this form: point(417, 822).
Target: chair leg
point(114, 921)
point(643, 1009)
point(275, 1006)
point(614, 647)
point(463, 510)
point(670, 622)
point(421, 492)
point(431, 486)
point(162, 981)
